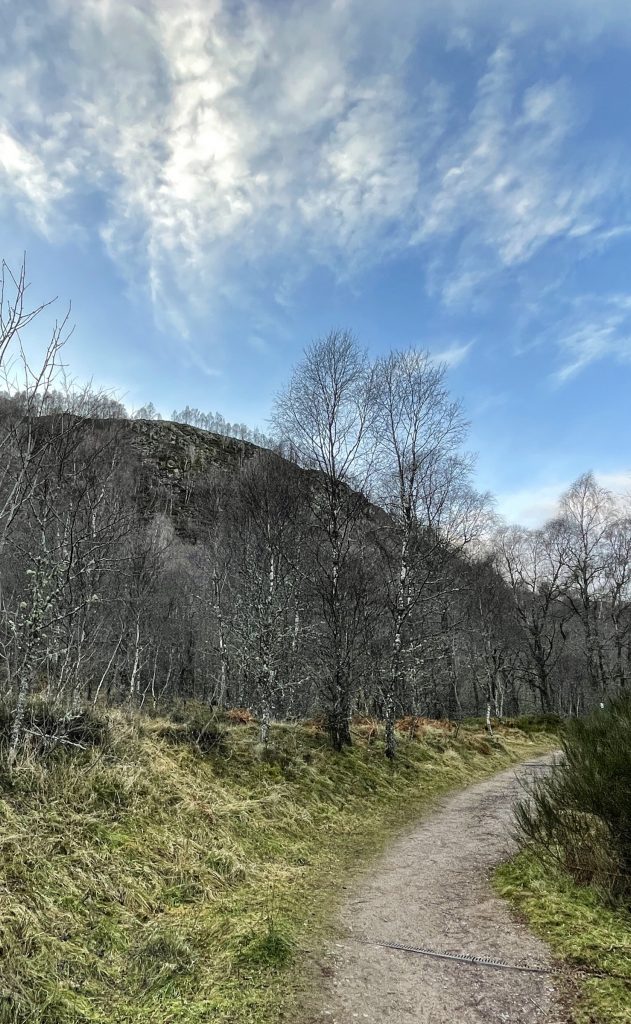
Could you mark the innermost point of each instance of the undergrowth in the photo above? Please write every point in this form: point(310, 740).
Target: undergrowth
point(578, 817)
point(173, 874)
point(581, 931)
point(573, 880)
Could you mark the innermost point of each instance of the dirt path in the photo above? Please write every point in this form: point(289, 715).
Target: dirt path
point(432, 890)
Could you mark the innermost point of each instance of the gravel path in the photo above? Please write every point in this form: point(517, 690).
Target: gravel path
point(432, 890)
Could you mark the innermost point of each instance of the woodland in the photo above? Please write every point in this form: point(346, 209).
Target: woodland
point(343, 563)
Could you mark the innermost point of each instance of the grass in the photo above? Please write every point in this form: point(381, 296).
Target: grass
point(581, 931)
point(573, 879)
point(578, 817)
point(156, 880)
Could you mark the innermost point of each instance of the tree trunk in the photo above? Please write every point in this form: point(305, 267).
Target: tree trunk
point(339, 722)
point(264, 725)
point(389, 716)
point(18, 721)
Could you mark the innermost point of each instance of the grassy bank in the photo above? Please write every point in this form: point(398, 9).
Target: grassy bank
point(149, 880)
point(581, 931)
point(573, 881)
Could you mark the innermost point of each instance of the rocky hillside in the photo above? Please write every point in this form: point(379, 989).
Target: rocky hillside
point(171, 463)
point(176, 451)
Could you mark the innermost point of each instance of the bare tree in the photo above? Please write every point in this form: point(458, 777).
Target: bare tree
point(530, 562)
point(322, 417)
point(583, 529)
point(265, 525)
point(23, 453)
point(425, 488)
point(25, 388)
point(618, 596)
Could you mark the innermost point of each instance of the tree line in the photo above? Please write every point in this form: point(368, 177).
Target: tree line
point(350, 566)
point(102, 405)
point(215, 422)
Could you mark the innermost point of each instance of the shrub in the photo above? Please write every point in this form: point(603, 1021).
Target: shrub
point(239, 716)
point(197, 725)
point(529, 724)
point(47, 727)
point(580, 814)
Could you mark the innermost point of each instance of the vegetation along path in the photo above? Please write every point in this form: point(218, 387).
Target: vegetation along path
point(432, 890)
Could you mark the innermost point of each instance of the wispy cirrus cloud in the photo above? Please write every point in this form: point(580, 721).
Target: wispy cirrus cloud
point(26, 180)
point(233, 147)
point(505, 188)
point(452, 356)
point(598, 327)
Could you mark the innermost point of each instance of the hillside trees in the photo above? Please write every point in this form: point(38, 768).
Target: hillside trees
point(212, 421)
point(618, 597)
point(23, 455)
point(531, 563)
point(265, 530)
point(571, 589)
point(25, 386)
point(585, 522)
point(354, 568)
point(65, 513)
point(424, 486)
point(495, 642)
point(66, 546)
point(594, 546)
point(324, 415)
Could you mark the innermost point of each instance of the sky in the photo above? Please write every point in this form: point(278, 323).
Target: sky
point(213, 183)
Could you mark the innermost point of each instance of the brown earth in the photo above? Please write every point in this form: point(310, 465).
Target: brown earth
point(432, 889)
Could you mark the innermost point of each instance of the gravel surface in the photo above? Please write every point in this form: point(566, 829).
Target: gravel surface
point(432, 890)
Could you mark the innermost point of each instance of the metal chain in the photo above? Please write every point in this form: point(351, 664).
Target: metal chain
point(466, 958)
point(482, 961)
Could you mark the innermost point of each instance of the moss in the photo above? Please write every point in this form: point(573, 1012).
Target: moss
point(149, 881)
point(581, 931)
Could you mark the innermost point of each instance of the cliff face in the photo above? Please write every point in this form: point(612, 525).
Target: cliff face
point(175, 450)
point(174, 468)
point(176, 464)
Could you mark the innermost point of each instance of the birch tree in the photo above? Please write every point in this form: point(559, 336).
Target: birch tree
point(530, 562)
point(618, 589)
point(323, 416)
point(265, 526)
point(26, 385)
point(424, 486)
point(582, 531)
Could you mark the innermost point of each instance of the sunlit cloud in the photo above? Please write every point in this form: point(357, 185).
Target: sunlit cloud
point(236, 147)
point(453, 356)
point(599, 328)
point(532, 506)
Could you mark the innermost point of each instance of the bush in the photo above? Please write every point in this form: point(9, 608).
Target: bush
point(580, 814)
point(530, 724)
point(197, 725)
point(46, 728)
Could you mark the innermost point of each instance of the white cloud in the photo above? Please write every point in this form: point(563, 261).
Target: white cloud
point(532, 506)
point(25, 179)
point(599, 327)
point(505, 187)
point(255, 140)
point(452, 356)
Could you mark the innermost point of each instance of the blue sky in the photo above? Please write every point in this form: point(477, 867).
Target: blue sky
point(213, 183)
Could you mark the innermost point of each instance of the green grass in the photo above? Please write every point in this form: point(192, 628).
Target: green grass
point(581, 931)
point(149, 881)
